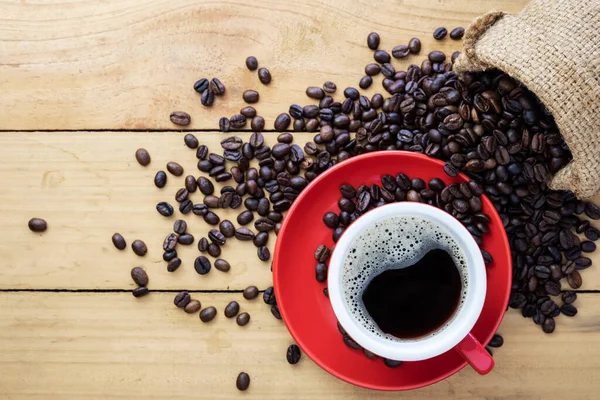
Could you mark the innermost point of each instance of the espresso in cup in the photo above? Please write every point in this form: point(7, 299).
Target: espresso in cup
point(404, 278)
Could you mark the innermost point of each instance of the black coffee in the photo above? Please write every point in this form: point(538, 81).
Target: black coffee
point(416, 300)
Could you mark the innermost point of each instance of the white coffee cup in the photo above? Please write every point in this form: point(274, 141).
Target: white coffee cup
point(455, 333)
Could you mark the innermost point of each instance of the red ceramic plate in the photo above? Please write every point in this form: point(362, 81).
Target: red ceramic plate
point(307, 312)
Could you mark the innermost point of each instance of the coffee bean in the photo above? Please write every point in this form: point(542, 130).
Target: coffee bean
point(331, 220)
point(275, 311)
point(457, 33)
point(139, 248)
point(185, 239)
point(264, 76)
point(282, 122)
point(250, 96)
point(315, 92)
point(207, 98)
point(164, 209)
point(211, 218)
point(180, 118)
point(181, 195)
point(202, 265)
point(214, 250)
point(322, 253)
point(414, 45)
point(217, 237)
point(173, 264)
point(293, 354)
point(243, 381)
point(321, 272)
point(569, 310)
point(373, 40)
point(139, 276)
point(574, 280)
point(224, 124)
point(381, 56)
point(191, 141)
point(182, 299)
point(251, 292)
point(140, 291)
point(244, 234)
point(257, 124)
point(232, 309)
point(251, 63)
point(269, 296)
point(437, 57)
point(143, 157)
point(208, 314)
point(401, 51)
point(117, 239)
point(261, 239)
point(169, 255)
point(201, 85)
point(549, 325)
point(160, 179)
point(237, 121)
point(588, 246)
point(217, 87)
point(328, 87)
point(243, 319)
point(175, 168)
point(592, 211)
point(263, 253)
point(391, 363)
point(497, 341)
point(440, 33)
point(192, 307)
point(245, 217)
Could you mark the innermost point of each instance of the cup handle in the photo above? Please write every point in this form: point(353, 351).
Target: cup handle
point(475, 354)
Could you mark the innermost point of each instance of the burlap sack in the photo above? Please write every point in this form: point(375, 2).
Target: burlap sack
point(553, 47)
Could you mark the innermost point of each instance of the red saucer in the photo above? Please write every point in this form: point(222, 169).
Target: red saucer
point(307, 312)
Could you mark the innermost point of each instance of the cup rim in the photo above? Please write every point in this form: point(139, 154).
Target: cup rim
point(467, 315)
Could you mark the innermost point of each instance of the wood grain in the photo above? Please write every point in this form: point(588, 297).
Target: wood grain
point(109, 346)
point(88, 186)
point(128, 64)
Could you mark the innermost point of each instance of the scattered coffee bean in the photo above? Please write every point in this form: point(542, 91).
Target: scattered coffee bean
point(222, 265)
point(191, 141)
point(373, 40)
point(173, 264)
point(217, 87)
point(391, 363)
point(282, 122)
point(244, 234)
point(182, 299)
point(269, 296)
point(160, 179)
point(117, 239)
point(175, 168)
point(186, 239)
point(214, 250)
point(264, 76)
point(328, 87)
point(232, 309)
point(201, 85)
point(250, 96)
point(401, 51)
point(142, 156)
point(207, 98)
point(224, 124)
point(139, 276)
point(263, 253)
point(140, 291)
point(321, 272)
point(497, 341)
point(322, 253)
point(208, 314)
point(243, 381)
point(440, 33)
point(275, 311)
point(164, 209)
point(169, 255)
point(243, 319)
point(180, 118)
point(202, 265)
point(251, 63)
point(457, 33)
point(192, 307)
point(203, 244)
point(139, 248)
point(414, 45)
point(250, 292)
point(293, 354)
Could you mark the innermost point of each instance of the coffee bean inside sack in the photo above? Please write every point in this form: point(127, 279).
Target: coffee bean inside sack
point(486, 125)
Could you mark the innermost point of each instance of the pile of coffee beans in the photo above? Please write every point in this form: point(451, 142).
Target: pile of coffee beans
point(486, 125)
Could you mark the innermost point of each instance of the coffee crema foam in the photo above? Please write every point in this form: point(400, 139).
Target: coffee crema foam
point(394, 243)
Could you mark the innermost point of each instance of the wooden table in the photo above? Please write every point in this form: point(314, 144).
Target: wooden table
point(83, 84)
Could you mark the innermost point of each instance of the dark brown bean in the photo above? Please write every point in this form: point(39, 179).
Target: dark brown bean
point(208, 314)
point(440, 33)
point(373, 40)
point(243, 319)
point(117, 239)
point(251, 292)
point(143, 157)
point(139, 248)
point(264, 76)
point(457, 33)
point(180, 118)
point(251, 63)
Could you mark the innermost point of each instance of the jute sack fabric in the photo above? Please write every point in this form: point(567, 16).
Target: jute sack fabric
point(553, 48)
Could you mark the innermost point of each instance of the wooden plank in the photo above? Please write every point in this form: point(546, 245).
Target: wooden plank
point(89, 186)
point(128, 64)
point(110, 345)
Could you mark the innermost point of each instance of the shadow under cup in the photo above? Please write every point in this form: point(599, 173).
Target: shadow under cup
point(396, 236)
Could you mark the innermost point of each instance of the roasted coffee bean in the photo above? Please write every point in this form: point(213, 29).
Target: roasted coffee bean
point(243, 319)
point(282, 122)
point(592, 211)
point(373, 40)
point(203, 244)
point(201, 85)
point(257, 124)
point(569, 310)
point(293, 354)
point(237, 121)
point(232, 309)
point(248, 112)
point(140, 291)
point(437, 57)
point(391, 363)
point(185, 239)
point(264, 225)
point(139, 248)
point(264, 76)
point(440, 33)
point(401, 51)
point(250, 96)
point(269, 296)
point(251, 63)
point(217, 237)
point(588, 246)
point(117, 239)
point(208, 314)
point(192, 307)
point(182, 299)
point(222, 265)
point(457, 33)
point(217, 87)
point(169, 255)
point(322, 253)
point(224, 124)
point(331, 220)
point(328, 87)
point(244, 234)
point(243, 381)
point(202, 265)
point(211, 218)
point(191, 141)
point(180, 118)
point(245, 217)
point(143, 157)
point(175, 168)
point(207, 98)
point(549, 325)
point(321, 272)
point(263, 253)
point(211, 201)
point(414, 45)
point(497, 341)
point(214, 250)
point(205, 185)
point(139, 276)
point(365, 82)
point(173, 264)
point(181, 195)
point(160, 179)
point(372, 69)
point(574, 280)
point(275, 311)
point(226, 199)
point(261, 239)
point(251, 292)
point(381, 56)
